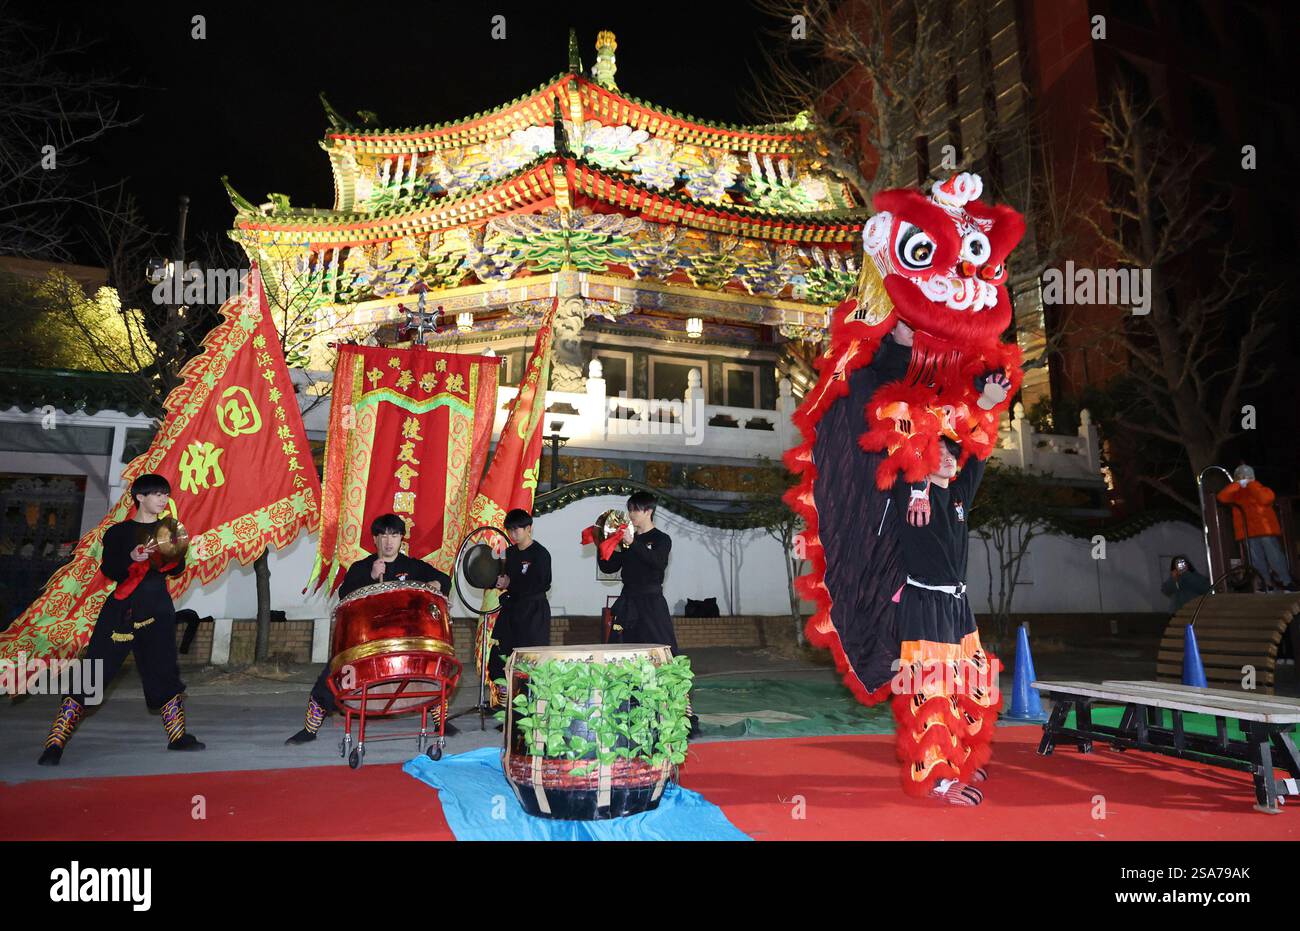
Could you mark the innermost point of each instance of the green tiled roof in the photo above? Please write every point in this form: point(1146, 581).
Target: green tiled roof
point(70, 391)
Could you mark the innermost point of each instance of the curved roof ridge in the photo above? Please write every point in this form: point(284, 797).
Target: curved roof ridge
point(407, 211)
point(790, 129)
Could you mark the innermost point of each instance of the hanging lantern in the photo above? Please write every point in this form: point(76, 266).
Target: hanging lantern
point(694, 327)
point(465, 322)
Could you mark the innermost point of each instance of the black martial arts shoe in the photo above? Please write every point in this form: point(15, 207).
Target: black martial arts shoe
point(695, 727)
point(315, 715)
point(173, 718)
point(65, 722)
point(50, 756)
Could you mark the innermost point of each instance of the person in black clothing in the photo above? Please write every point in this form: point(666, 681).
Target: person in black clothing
point(525, 618)
point(641, 611)
point(388, 564)
point(945, 685)
point(641, 559)
point(1184, 583)
point(138, 618)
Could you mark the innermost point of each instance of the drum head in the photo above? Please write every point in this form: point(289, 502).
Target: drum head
point(480, 568)
point(657, 653)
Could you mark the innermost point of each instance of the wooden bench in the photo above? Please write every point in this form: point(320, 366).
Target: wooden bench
point(1267, 723)
point(1232, 632)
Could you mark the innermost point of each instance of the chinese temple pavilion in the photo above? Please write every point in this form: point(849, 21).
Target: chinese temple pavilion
point(673, 243)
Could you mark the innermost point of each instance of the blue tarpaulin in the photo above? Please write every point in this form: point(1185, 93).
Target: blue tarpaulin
point(480, 805)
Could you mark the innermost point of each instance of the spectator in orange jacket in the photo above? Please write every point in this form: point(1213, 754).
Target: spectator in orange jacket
point(1254, 521)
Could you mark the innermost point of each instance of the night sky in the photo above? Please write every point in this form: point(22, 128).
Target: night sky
point(243, 102)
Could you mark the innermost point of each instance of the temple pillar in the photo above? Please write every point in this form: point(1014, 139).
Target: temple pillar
point(566, 362)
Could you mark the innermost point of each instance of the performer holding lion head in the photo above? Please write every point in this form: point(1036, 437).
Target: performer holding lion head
point(895, 431)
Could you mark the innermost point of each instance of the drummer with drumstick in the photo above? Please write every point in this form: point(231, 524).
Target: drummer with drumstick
point(388, 564)
point(138, 618)
point(525, 618)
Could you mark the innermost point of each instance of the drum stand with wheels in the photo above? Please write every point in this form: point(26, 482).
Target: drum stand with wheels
point(380, 704)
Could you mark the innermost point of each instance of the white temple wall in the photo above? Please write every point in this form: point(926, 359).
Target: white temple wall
point(744, 570)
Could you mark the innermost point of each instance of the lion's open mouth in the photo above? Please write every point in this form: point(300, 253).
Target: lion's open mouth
point(969, 294)
point(965, 310)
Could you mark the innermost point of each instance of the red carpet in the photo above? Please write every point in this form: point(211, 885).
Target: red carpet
point(851, 792)
point(844, 787)
point(316, 803)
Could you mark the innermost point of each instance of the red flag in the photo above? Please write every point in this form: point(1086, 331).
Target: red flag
point(233, 447)
point(511, 479)
point(409, 433)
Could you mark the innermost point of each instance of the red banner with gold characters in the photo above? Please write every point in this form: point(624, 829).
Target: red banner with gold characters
point(409, 433)
point(511, 480)
point(233, 447)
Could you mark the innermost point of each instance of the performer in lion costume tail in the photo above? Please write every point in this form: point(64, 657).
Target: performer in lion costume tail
point(910, 392)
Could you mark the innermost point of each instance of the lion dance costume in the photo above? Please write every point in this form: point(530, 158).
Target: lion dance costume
point(878, 417)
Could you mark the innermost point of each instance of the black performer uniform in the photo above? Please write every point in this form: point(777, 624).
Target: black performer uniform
point(935, 554)
point(401, 569)
point(641, 609)
point(525, 618)
point(143, 623)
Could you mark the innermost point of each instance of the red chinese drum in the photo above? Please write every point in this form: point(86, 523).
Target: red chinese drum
point(389, 639)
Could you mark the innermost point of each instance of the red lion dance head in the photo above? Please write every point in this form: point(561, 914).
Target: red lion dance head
point(941, 264)
point(943, 260)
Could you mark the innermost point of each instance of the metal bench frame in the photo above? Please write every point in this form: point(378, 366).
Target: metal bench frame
point(1267, 723)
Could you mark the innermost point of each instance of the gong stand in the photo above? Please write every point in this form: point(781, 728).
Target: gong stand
point(484, 707)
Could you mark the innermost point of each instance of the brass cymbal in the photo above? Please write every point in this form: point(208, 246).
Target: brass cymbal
point(167, 540)
point(609, 522)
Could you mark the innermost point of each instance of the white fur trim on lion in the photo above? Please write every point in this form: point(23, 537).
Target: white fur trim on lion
point(875, 235)
point(957, 191)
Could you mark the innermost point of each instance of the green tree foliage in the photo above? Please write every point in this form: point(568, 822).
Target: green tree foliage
point(53, 323)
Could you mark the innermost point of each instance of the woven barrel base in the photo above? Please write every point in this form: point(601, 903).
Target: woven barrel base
point(635, 787)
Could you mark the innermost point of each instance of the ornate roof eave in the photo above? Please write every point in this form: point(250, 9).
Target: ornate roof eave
point(684, 300)
point(73, 391)
point(743, 517)
point(608, 105)
point(533, 186)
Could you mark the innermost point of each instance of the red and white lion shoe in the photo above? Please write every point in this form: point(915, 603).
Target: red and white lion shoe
point(980, 775)
point(952, 792)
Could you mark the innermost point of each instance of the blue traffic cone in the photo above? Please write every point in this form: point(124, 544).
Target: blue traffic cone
point(1025, 702)
point(1193, 668)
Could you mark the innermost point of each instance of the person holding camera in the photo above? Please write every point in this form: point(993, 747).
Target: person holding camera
point(1184, 583)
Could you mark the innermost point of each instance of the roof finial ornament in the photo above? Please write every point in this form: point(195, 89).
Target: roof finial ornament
point(337, 120)
point(561, 138)
point(603, 70)
point(575, 60)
